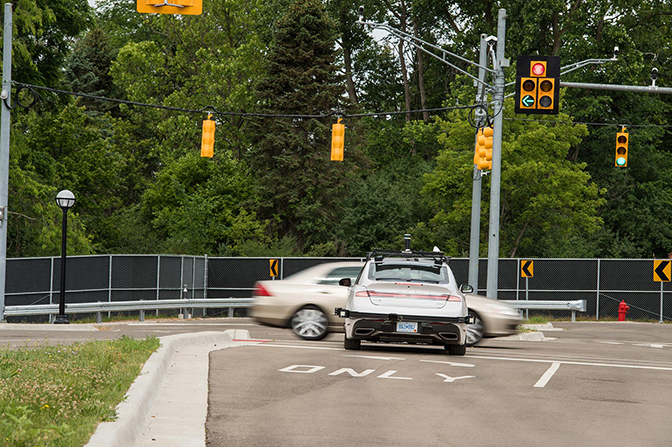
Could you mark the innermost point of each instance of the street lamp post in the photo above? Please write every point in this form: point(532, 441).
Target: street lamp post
point(65, 199)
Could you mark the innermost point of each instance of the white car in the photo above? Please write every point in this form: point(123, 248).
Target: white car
point(406, 296)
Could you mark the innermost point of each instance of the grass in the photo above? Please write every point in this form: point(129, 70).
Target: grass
point(57, 395)
point(537, 319)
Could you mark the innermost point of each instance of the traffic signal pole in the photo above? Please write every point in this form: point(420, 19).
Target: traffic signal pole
point(495, 182)
point(4, 147)
point(474, 241)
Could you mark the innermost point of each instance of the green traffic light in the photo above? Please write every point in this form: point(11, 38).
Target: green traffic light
point(620, 161)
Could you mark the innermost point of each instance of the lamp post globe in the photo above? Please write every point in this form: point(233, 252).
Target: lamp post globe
point(65, 199)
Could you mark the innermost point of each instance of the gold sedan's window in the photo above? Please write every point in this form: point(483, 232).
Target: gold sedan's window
point(339, 273)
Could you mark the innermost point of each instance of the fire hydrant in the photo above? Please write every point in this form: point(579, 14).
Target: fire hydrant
point(622, 310)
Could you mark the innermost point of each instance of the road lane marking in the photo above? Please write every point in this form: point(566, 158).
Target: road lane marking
point(651, 345)
point(352, 372)
point(612, 342)
point(389, 374)
point(299, 347)
point(464, 365)
point(453, 379)
point(374, 357)
point(547, 375)
point(295, 369)
point(564, 362)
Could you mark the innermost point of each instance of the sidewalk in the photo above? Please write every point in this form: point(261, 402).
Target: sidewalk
point(167, 404)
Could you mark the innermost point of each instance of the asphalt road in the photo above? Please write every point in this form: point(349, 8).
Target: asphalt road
point(592, 384)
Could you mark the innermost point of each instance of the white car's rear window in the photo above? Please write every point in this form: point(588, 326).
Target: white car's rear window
point(409, 272)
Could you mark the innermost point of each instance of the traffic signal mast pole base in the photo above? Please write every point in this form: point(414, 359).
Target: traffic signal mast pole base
point(496, 176)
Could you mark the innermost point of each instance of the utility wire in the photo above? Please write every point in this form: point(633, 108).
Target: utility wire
point(214, 110)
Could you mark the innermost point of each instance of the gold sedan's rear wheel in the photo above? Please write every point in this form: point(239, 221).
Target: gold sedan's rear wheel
point(310, 323)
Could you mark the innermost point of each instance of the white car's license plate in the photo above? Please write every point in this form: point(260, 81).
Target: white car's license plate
point(407, 326)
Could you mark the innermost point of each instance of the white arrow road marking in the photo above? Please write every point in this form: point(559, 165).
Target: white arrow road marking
point(547, 375)
point(389, 374)
point(453, 379)
point(465, 365)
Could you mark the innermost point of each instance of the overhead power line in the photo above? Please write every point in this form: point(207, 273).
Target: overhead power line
point(215, 111)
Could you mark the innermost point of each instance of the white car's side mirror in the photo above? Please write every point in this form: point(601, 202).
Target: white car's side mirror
point(347, 282)
point(466, 288)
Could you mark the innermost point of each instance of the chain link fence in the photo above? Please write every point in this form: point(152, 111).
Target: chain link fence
point(603, 283)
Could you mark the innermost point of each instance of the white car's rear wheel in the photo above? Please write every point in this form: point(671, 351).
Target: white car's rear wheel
point(456, 349)
point(475, 331)
point(351, 343)
point(310, 323)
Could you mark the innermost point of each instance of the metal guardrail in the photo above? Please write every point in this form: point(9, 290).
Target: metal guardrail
point(140, 306)
point(574, 306)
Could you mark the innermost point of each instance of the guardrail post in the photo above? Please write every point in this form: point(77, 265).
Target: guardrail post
point(142, 316)
point(573, 316)
point(230, 312)
point(597, 298)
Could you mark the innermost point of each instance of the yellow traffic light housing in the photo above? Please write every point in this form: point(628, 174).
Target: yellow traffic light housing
point(483, 156)
point(537, 85)
point(185, 7)
point(622, 140)
point(337, 141)
point(208, 138)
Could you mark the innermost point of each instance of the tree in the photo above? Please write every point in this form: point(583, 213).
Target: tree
point(43, 34)
point(194, 206)
point(299, 188)
point(547, 201)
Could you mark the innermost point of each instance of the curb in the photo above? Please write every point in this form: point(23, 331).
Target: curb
point(46, 327)
point(133, 411)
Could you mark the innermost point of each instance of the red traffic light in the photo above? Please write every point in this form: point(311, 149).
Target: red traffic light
point(538, 69)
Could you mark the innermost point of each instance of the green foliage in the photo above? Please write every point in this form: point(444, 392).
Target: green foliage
point(42, 34)
point(547, 201)
point(193, 206)
point(298, 188)
point(271, 190)
point(382, 207)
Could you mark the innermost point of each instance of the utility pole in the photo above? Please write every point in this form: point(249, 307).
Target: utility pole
point(5, 96)
point(474, 242)
point(496, 175)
